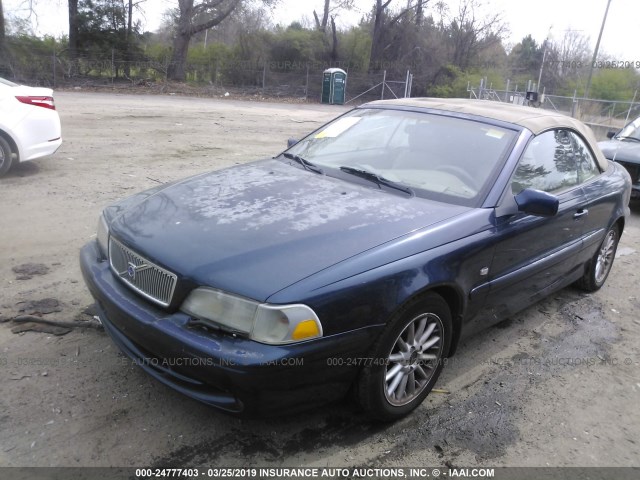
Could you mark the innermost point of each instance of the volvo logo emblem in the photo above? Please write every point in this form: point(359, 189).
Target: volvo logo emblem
point(132, 269)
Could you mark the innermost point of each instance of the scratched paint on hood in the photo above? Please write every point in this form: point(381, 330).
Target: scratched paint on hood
point(256, 197)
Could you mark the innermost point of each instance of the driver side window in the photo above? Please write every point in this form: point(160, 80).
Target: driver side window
point(547, 164)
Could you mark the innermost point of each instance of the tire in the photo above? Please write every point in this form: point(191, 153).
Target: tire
point(397, 379)
point(600, 265)
point(5, 156)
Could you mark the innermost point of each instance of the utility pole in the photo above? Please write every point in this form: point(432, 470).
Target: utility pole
point(544, 55)
point(595, 52)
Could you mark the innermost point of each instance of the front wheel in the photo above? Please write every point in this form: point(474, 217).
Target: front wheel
point(5, 156)
point(407, 359)
point(601, 263)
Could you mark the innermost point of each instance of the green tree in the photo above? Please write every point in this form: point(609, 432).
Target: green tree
point(614, 84)
point(295, 44)
point(355, 47)
point(525, 58)
point(106, 29)
point(451, 81)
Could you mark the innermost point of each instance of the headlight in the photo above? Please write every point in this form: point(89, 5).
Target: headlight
point(285, 324)
point(223, 309)
point(273, 324)
point(103, 236)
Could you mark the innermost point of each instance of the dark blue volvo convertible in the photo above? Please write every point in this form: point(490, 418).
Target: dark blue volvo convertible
point(355, 260)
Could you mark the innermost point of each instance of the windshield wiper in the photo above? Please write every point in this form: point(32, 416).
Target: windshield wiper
point(305, 163)
point(629, 138)
point(374, 177)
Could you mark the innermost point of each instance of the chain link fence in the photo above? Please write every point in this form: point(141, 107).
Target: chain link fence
point(270, 78)
point(297, 80)
point(602, 116)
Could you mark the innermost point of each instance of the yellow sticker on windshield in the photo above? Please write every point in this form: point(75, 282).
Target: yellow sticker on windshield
point(338, 127)
point(495, 133)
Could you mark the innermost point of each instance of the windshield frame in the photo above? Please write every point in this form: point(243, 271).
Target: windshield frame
point(629, 130)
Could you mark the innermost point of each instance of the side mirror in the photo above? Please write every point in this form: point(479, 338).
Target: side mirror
point(610, 135)
point(537, 202)
point(291, 142)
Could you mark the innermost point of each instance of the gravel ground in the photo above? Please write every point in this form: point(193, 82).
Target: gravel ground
point(556, 385)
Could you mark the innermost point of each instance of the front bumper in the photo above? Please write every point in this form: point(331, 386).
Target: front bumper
point(234, 374)
point(634, 172)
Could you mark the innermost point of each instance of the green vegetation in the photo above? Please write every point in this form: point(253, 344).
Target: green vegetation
point(234, 44)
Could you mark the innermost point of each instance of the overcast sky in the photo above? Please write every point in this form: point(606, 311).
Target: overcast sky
point(537, 17)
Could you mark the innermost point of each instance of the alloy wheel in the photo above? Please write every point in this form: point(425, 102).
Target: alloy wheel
point(413, 359)
point(605, 257)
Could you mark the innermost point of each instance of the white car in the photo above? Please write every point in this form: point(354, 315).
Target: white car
point(29, 124)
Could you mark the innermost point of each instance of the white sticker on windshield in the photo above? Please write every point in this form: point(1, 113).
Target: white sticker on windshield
point(338, 127)
point(495, 133)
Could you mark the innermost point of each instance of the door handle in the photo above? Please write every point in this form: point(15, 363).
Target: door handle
point(581, 213)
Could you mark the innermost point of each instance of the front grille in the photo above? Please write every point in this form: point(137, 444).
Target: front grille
point(633, 169)
point(145, 277)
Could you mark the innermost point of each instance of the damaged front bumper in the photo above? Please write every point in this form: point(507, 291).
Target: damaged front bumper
point(228, 372)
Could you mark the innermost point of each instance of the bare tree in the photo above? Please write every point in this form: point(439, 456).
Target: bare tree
point(565, 59)
point(329, 18)
point(73, 30)
point(30, 4)
point(129, 35)
point(1, 30)
point(244, 21)
point(321, 24)
point(384, 19)
point(334, 39)
point(574, 50)
point(194, 18)
point(419, 14)
point(470, 33)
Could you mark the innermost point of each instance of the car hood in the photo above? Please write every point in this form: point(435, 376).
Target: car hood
point(258, 228)
point(623, 151)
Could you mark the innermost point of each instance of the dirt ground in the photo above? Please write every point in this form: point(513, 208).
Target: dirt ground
point(557, 385)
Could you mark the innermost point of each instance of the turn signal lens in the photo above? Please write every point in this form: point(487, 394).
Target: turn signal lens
point(280, 324)
point(306, 329)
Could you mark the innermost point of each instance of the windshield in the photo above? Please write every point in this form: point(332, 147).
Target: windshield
point(436, 156)
point(631, 131)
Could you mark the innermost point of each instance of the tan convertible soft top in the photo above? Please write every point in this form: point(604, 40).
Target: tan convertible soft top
point(534, 119)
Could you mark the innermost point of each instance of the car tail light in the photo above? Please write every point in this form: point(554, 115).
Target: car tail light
point(38, 101)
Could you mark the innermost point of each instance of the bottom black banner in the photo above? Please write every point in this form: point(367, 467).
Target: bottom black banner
point(329, 473)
